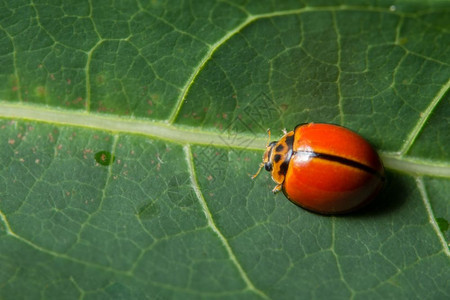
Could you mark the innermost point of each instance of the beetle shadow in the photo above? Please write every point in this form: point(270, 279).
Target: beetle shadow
point(391, 198)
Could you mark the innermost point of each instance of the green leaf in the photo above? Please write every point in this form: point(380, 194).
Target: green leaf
point(129, 131)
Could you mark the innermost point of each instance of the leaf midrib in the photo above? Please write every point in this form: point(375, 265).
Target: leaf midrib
point(184, 135)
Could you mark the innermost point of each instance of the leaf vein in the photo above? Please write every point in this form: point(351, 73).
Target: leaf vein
point(432, 219)
point(212, 225)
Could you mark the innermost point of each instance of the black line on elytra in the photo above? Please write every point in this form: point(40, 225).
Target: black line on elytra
point(344, 161)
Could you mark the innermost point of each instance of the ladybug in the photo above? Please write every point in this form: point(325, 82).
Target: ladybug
point(324, 168)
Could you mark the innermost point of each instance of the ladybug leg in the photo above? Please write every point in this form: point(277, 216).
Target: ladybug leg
point(261, 165)
point(277, 188)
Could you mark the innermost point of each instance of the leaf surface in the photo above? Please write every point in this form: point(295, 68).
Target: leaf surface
point(129, 131)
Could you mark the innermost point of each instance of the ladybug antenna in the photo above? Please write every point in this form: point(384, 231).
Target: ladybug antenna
point(268, 139)
point(261, 165)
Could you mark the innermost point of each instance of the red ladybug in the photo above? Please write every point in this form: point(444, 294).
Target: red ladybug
point(324, 168)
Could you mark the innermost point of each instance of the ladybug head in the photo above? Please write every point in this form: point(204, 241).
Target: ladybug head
point(267, 163)
point(267, 156)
